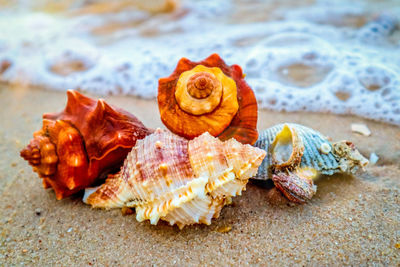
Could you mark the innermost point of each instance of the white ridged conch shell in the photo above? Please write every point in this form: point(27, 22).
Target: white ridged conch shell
point(182, 182)
point(296, 155)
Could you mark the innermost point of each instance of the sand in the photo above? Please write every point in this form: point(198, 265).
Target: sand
point(350, 221)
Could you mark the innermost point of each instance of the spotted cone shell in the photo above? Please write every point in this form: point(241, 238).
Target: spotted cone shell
point(182, 182)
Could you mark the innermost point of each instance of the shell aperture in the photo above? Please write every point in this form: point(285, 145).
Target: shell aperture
point(296, 155)
point(182, 182)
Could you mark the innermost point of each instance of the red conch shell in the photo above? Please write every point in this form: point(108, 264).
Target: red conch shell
point(76, 146)
point(208, 96)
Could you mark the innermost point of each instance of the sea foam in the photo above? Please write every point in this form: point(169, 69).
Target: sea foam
point(342, 58)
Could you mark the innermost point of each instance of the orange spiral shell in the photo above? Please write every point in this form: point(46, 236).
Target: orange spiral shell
point(222, 119)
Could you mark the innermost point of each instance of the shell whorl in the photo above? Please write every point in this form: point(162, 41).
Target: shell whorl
point(202, 84)
point(41, 154)
point(208, 96)
point(182, 182)
point(201, 90)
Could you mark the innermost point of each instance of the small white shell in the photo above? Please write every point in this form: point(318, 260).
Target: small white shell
point(325, 148)
point(373, 158)
point(361, 129)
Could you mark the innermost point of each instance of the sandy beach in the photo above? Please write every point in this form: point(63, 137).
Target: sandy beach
point(350, 221)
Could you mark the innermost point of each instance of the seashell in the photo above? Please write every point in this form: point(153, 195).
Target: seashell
point(297, 155)
point(208, 96)
point(76, 146)
point(183, 182)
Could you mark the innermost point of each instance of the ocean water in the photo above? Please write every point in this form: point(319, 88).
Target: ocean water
point(341, 57)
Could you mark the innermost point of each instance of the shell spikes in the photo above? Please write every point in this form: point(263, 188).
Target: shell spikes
point(179, 181)
point(297, 155)
point(76, 146)
point(208, 96)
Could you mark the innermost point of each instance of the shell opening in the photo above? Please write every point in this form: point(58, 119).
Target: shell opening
point(286, 149)
point(283, 148)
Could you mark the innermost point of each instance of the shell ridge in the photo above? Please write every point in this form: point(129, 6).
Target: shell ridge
point(175, 199)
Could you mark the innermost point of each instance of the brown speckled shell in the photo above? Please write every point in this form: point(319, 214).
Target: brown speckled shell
point(74, 147)
point(243, 126)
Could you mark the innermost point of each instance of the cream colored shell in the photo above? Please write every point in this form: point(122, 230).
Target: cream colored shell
point(182, 182)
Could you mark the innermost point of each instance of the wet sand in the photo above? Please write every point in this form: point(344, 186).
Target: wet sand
point(350, 221)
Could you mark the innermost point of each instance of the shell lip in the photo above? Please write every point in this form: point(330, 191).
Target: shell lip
point(287, 149)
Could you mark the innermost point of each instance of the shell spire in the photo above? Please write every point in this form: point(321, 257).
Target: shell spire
point(296, 155)
point(182, 182)
point(76, 146)
point(208, 96)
